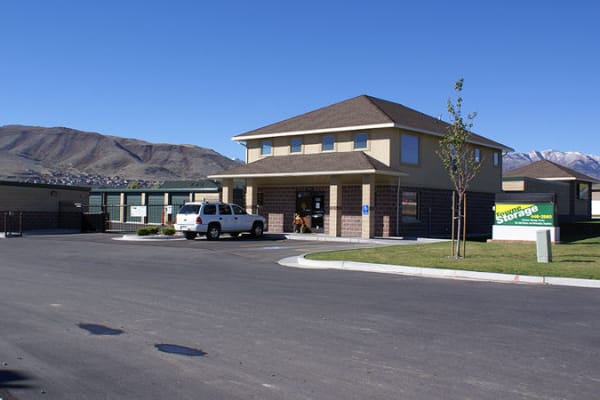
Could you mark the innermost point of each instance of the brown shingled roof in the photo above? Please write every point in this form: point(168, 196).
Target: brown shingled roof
point(363, 111)
point(545, 169)
point(310, 164)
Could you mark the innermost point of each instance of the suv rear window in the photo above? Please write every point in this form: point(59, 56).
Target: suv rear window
point(189, 209)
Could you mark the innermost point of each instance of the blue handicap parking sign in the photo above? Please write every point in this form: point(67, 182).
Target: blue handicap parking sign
point(365, 209)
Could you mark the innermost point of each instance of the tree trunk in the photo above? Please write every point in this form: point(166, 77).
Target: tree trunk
point(459, 226)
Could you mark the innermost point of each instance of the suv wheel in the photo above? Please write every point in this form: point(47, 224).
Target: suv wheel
point(213, 232)
point(190, 235)
point(257, 229)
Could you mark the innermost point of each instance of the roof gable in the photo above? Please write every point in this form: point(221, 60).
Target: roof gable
point(361, 112)
point(545, 169)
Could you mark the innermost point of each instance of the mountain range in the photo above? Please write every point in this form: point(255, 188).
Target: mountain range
point(69, 156)
point(587, 164)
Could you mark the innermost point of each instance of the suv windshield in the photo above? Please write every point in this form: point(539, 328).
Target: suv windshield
point(189, 209)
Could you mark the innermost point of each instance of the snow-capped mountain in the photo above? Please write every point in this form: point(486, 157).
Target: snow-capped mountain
point(587, 164)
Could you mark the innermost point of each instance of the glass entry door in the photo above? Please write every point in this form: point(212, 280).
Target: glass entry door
point(311, 207)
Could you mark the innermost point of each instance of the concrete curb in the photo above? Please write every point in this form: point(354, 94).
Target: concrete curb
point(301, 262)
point(149, 238)
point(343, 239)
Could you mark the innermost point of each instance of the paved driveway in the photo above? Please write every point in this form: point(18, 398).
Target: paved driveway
point(87, 317)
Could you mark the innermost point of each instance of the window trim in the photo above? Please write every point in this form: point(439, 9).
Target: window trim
point(496, 159)
point(291, 145)
point(583, 191)
point(366, 136)
point(332, 144)
point(262, 147)
point(477, 155)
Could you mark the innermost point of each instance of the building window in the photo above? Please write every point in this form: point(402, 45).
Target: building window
point(409, 152)
point(360, 141)
point(296, 145)
point(266, 148)
point(583, 191)
point(496, 159)
point(477, 155)
point(410, 207)
point(327, 143)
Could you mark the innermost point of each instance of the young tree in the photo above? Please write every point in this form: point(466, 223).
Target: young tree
point(458, 158)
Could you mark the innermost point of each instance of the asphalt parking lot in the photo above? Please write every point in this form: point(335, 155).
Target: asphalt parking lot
point(90, 317)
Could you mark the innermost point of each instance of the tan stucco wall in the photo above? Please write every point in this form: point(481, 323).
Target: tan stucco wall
point(30, 198)
point(377, 144)
point(513, 186)
point(384, 145)
point(208, 196)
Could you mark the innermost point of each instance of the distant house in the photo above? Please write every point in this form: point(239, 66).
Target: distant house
point(572, 189)
point(362, 167)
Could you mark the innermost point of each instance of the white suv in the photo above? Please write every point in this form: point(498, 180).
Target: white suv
point(212, 218)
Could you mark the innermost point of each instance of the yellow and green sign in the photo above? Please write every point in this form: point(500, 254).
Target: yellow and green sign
point(540, 214)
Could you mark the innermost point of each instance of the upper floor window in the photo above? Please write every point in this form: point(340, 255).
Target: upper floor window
point(296, 145)
point(266, 148)
point(327, 143)
point(477, 155)
point(496, 159)
point(409, 151)
point(360, 141)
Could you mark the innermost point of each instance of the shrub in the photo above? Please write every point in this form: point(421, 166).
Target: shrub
point(168, 231)
point(147, 230)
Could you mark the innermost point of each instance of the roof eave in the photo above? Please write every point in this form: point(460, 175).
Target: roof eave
point(498, 146)
point(302, 174)
point(241, 138)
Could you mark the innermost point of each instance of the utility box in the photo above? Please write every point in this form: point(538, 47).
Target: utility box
point(544, 246)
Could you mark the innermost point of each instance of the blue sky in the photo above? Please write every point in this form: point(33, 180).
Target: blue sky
point(201, 72)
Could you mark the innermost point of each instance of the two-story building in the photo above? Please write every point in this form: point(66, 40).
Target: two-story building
point(362, 167)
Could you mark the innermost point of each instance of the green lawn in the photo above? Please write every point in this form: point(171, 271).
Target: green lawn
point(576, 259)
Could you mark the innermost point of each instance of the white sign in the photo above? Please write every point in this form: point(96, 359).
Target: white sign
point(169, 209)
point(138, 211)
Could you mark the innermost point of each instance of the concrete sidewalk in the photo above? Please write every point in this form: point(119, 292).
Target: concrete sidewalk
point(390, 241)
point(302, 262)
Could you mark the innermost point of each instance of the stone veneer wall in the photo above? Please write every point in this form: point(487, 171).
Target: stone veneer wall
point(435, 212)
point(279, 205)
point(385, 210)
point(351, 210)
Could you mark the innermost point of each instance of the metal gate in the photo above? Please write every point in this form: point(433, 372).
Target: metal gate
point(13, 223)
